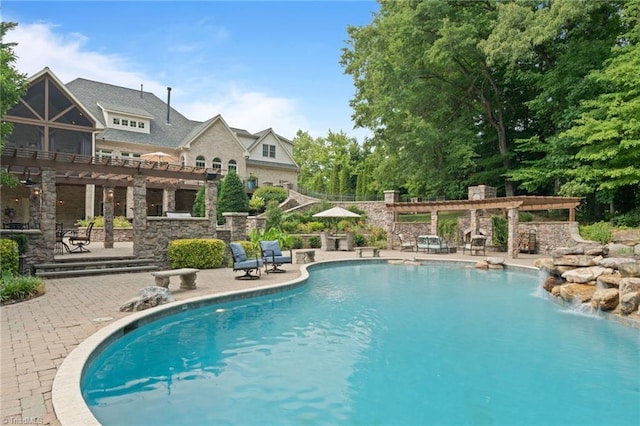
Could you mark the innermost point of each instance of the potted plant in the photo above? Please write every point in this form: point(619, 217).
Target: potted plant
point(251, 182)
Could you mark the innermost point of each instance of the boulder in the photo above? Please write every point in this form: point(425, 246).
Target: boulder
point(613, 262)
point(147, 297)
point(605, 299)
point(609, 280)
point(616, 249)
point(495, 260)
point(544, 263)
point(482, 264)
point(630, 269)
point(628, 237)
point(563, 251)
point(551, 282)
point(492, 266)
point(577, 292)
point(555, 291)
point(629, 302)
point(629, 285)
point(577, 260)
point(596, 250)
point(585, 275)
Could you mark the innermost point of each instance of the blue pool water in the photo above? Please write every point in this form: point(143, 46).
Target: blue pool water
point(373, 344)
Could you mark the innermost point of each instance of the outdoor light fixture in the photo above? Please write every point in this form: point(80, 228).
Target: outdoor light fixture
point(35, 191)
point(110, 193)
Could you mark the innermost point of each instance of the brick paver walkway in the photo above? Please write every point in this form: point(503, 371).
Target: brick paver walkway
point(38, 334)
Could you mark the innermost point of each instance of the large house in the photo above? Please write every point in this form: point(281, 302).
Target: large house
point(89, 118)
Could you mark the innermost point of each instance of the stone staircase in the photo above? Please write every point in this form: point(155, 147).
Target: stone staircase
point(78, 267)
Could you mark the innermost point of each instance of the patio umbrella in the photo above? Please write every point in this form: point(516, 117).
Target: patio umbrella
point(336, 213)
point(158, 157)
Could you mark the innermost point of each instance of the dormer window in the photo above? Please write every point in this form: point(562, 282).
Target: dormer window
point(125, 122)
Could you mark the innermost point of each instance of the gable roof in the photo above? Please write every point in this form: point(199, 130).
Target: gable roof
point(95, 96)
point(202, 127)
point(263, 134)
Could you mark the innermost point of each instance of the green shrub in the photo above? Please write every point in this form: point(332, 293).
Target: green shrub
point(600, 231)
point(9, 257)
point(22, 241)
point(378, 237)
point(268, 193)
point(256, 204)
point(448, 229)
point(258, 235)
point(273, 215)
point(359, 240)
point(500, 230)
point(296, 242)
point(630, 219)
point(202, 253)
point(199, 203)
point(314, 241)
point(525, 217)
point(19, 288)
point(231, 196)
point(98, 222)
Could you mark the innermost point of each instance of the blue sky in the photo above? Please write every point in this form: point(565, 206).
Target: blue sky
point(259, 64)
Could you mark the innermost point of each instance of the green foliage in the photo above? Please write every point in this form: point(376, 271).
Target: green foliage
point(257, 235)
point(13, 85)
point(199, 203)
point(231, 197)
point(256, 204)
point(199, 253)
point(9, 256)
point(500, 230)
point(296, 242)
point(359, 239)
point(599, 231)
point(525, 217)
point(268, 193)
point(15, 289)
point(630, 219)
point(315, 242)
point(377, 237)
point(273, 215)
point(98, 222)
point(22, 241)
point(448, 229)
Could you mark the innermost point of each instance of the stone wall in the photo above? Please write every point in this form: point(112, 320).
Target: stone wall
point(120, 235)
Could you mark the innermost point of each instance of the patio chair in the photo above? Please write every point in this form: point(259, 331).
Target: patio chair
point(272, 254)
point(80, 240)
point(432, 244)
point(476, 244)
point(406, 243)
point(242, 263)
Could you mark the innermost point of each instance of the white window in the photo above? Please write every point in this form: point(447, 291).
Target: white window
point(133, 123)
point(116, 120)
point(140, 125)
point(216, 164)
point(268, 150)
point(104, 153)
point(233, 166)
point(200, 161)
point(125, 122)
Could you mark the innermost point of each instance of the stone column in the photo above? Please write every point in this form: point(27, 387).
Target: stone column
point(237, 223)
point(210, 205)
point(434, 223)
point(139, 213)
point(34, 207)
point(168, 199)
point(512, 244)
point(48, 212)
point(129, 203)
point(107, 202)
point(474, 222)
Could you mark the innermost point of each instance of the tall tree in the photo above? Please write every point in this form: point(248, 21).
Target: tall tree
point(13, 85)
point(231, 197)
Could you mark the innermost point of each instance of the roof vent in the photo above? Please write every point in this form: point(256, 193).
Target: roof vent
point(169, 105)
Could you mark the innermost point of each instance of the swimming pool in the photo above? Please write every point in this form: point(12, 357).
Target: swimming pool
point(374, 343)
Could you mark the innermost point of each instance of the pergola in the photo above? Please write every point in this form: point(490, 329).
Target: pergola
point(511, 204)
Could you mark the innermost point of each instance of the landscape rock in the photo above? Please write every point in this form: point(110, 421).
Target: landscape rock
point(629, 285)
point(552, 281)
point(629, 302)
point(596, 250)
point(616, 249)
point(584, 275)
point(147, 297)
point(495, 260)
point(577, 292)
point(564, 251)
point(605, 299)
point(614, 262)
point(609, 280)
point(630, 269)
point(576, 260)
point(482, 264)
point(495, 266)
point(627, 237)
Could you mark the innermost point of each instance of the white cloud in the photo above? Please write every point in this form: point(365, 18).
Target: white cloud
point(40, 46)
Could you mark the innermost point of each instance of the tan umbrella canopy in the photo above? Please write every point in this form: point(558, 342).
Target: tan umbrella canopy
point(337, 212)
point(158, 157)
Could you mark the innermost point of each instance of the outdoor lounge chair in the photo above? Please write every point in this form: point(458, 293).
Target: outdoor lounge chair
point(432, 244)
point(80, 240)
point(272, 255)
point(242, 263)
point(406, 244)
point(476, 244)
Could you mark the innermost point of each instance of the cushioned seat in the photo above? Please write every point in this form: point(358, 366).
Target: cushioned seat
point(272, 255)
point(242, 263)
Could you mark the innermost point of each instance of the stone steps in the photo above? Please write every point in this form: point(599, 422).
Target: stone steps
point(93, 266)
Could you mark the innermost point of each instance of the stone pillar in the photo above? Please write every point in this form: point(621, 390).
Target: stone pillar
point(139, 212)
point(48, 212)
point(35, 207)
point(391, 196)
point(168, 199)
point(434, 223)
point(512, 244)
point(474, 222)
point(237, 224)
point(129, 203)
point(107, 202)
point(89, 201)
point(210, 205)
